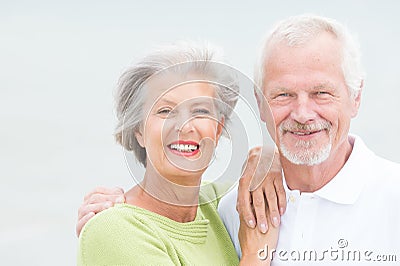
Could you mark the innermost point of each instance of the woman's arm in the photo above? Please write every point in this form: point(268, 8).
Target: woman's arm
point(257, 247)
point(261, 185)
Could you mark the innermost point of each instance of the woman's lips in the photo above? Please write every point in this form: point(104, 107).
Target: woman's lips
point(184, 148)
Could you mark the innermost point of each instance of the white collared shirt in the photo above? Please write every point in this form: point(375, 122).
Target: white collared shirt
point(352, 220)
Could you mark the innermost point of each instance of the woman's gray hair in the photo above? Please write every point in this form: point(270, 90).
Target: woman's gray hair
point(181, 59)
point(298, 30)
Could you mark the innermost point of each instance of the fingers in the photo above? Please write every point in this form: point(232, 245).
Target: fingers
point(272, 203)
point(261, 185)
point(82, 222)
point(105, 191)
point(264, 164)
point(94, 207)
point(97, 198)
point(259, 209)
point(244, 205)
point(96, 201)
point(244, 201)
point(280, 191)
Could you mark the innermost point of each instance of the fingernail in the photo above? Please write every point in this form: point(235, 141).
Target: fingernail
point(263, 228)
point(251, 223)
point(281, 211)
point(120, 200)
point(275, 221)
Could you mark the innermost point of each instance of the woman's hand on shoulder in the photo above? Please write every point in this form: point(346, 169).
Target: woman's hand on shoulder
point(261, 185)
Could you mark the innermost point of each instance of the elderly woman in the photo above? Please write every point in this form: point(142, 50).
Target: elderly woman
point(172, 108)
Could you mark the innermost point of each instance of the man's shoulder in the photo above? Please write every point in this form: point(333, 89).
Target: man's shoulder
point(382, 181)
point(372, 164)
point(384, 168)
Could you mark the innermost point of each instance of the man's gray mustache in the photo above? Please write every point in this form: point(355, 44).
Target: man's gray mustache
point(293, 126)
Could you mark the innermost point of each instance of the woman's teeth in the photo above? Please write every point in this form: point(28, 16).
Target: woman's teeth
point(184, 147)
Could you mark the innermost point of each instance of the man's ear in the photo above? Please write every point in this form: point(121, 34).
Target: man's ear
point(357, 100)
point(139, 138)
point(261, 104)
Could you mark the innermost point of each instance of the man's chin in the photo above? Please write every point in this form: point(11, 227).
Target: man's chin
point(306, 157)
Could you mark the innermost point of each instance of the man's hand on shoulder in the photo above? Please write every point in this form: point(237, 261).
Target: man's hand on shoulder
point(96, 201)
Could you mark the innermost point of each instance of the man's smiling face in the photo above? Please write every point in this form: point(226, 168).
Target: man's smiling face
point(311, 104)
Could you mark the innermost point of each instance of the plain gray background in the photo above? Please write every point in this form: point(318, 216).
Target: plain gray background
point(59, 63)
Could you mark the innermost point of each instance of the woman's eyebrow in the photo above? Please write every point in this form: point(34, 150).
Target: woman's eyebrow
point(167, 101)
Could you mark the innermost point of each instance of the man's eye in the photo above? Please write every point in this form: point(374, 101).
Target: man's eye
point(323, 94)
point(283, 95)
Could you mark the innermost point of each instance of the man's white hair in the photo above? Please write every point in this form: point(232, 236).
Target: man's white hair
point(298, 30)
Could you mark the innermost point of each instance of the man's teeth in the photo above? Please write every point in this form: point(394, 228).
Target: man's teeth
point(302, 133)
point(184, 147)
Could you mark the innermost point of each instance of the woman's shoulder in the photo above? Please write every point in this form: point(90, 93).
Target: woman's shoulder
point(212, 192)
point(118, 234)
point(118, 220)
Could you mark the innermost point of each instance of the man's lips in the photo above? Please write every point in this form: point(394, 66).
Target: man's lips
point(303, 132)
point(184, 148)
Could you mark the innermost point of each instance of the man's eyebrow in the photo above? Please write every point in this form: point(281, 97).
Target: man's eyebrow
point(323, 86)
point(326, 85)
point(276, 90)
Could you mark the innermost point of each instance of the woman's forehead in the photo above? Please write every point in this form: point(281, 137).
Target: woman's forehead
point(195, 91)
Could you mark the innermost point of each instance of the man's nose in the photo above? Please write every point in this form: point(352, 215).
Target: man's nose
point(304, 110)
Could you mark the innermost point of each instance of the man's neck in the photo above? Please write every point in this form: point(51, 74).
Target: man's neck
point(312, 178)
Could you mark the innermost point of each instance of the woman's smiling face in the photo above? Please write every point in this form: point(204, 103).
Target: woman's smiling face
point(180, 131)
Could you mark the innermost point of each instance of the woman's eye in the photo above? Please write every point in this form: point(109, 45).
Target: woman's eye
point(322, 92)
point(202, 111)
point(164, 111)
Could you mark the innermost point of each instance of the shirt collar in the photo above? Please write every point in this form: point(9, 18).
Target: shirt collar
point(347, 185)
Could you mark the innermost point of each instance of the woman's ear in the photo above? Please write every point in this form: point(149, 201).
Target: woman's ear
point(220, 128)
point(139, 138)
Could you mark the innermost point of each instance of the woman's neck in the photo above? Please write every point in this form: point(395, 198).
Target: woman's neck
point(161, 196)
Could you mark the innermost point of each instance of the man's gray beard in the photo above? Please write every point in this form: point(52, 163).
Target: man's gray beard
point(306, 156)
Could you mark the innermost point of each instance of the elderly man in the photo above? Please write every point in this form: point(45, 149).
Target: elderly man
point(310, 75)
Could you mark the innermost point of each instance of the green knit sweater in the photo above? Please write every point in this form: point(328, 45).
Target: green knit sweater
point(129, 235)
